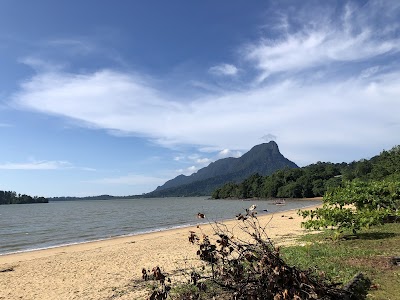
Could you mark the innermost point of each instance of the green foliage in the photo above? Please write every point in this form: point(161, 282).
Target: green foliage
point(8, 197)
point(358, 204)
point(339, 260)
point(314, 180)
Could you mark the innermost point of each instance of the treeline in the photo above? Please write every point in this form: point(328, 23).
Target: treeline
point(313, 180)
point(8, 197)
point(99, 197)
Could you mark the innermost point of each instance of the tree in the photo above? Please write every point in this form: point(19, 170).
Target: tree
point(317, 178)
point(8, 197)
point(358, 204)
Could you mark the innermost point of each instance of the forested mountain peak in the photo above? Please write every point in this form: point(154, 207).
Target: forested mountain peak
point(315, 179)
point(263, 159)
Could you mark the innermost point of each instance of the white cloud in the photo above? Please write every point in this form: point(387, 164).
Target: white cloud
point(316, 117)
point(192, 169)
point(369, 72)
point(179, 158)
point(33, 164)
point(41, 65)
point(36, 165)
point(203, 161)
point(323, 42)
point(296, 113)
point(187, 171)
point(229, 153)
point(224, 152)
point(199, 159)
point(224, 69)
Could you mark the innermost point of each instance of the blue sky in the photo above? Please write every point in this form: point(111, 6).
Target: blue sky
point(116, 97)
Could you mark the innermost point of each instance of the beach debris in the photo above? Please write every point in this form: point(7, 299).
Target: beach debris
point(158, 295)
point(253, 207)
point(200, 215)
point(145, 276)
point(193, 237)
point(194, 276)
point(160, 292)
point(6, 270)
point(241, 217)
point(157, 275)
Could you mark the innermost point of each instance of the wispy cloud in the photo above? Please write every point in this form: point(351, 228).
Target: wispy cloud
point(357, 37)
point(350, 110)
point(269, 137)
point(33, 164)
point(36, 165)
point(224, 69)
point(41, 65)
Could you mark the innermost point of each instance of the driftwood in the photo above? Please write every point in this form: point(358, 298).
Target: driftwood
point(7, 270)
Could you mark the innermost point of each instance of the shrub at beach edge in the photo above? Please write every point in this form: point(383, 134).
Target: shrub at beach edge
point(356, 205)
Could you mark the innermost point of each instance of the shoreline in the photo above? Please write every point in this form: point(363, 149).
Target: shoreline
point(100, 239)
point(150, 231)
point(111, 268)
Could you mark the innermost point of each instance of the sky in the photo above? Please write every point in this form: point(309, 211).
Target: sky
point(117, 97)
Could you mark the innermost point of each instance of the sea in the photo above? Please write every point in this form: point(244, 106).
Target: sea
point(28, 227)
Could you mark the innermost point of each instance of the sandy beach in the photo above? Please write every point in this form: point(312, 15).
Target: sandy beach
point(111, 269)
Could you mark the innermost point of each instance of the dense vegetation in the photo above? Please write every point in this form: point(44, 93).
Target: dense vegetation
point(99, 197)
point(8, 197)
point(355, 205)
point(314, 180)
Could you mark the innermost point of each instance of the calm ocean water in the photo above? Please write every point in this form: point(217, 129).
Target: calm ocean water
point(25, 227)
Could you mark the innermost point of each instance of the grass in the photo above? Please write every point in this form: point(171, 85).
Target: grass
point(369, 252)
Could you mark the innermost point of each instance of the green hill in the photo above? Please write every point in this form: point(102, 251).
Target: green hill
point(263, 159)
point(315, 179)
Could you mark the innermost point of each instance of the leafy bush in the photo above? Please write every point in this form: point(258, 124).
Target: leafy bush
point(358, 204)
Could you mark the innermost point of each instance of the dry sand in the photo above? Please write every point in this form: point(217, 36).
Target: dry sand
point(111, 269)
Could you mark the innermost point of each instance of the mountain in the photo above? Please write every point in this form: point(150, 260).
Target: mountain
point(263, 159)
